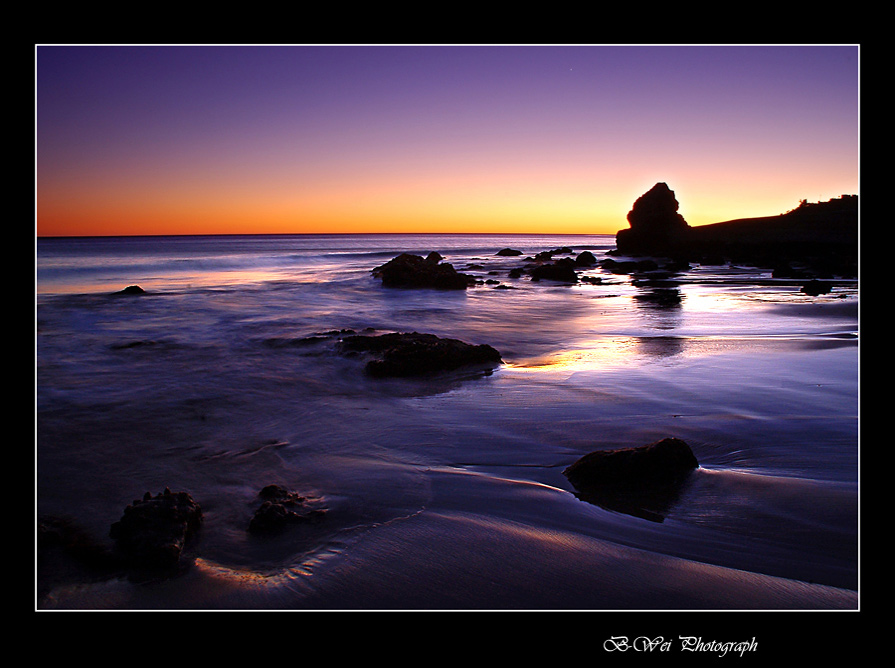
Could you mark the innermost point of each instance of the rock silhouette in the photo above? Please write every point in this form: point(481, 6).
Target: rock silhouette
point(279, 509)
point(131, 290)
point(415, 354)
point(562, 270)
point(643, 481)
point(656, 226)
point(154, 529)
point(413, 271)
point(820, 237)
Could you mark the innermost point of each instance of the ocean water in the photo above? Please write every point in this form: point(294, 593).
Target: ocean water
point(445, 492)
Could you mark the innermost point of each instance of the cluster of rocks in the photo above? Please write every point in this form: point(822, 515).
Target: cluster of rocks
point(564, 269)
point(414, 271)
point(643, 481)
point(545, 266)
point(151, 537)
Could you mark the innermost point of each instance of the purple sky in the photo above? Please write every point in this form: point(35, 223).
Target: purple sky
point(163, 139)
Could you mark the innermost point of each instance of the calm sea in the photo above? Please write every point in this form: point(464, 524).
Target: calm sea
point(201, 385)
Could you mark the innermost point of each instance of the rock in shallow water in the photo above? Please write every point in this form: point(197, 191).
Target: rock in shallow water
point(131, 290)
point(644, 481)
point(152, 532)
point(814, 288)
point(562, 270)
point(659, 463)
point(280, 509)
point(414, 271)
point(415, 354)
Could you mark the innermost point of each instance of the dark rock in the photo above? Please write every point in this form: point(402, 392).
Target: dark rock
point(644, 482)
point(509, 252)
point(656, 226)
point(153, 531)
point(562, 270)
point(659, 463)
point(546, 255)
point(516, 272)
point(415, 354)
point(586, 259)
point(280, 509)
point(413, 271)
point(280, 494)
point(814, 288)
point(822, 237)
point(628, 266)
point(131, 290)
point(785, 270)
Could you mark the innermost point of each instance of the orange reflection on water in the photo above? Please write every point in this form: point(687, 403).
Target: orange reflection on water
point(610, 352)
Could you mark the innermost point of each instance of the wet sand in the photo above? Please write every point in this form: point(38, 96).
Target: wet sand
point(449, 556)
point(448, 494)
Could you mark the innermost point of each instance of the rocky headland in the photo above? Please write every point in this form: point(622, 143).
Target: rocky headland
point(813, 240)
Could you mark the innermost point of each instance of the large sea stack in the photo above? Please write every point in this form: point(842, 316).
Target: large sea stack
point(656, 226)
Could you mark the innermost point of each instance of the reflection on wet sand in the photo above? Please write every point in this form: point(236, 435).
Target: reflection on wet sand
point(660, 306)
point(661, 346)
point(660, 297)
point(604, 354)
point(648, 503)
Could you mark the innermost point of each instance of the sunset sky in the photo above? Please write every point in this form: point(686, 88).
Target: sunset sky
point(344, 139)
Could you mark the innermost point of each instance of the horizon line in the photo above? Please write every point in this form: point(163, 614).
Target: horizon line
point(311, 234)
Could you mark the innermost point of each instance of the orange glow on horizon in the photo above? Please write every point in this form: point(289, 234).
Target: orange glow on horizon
point(369, 210)
point(547, 140)
point(402, 206)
